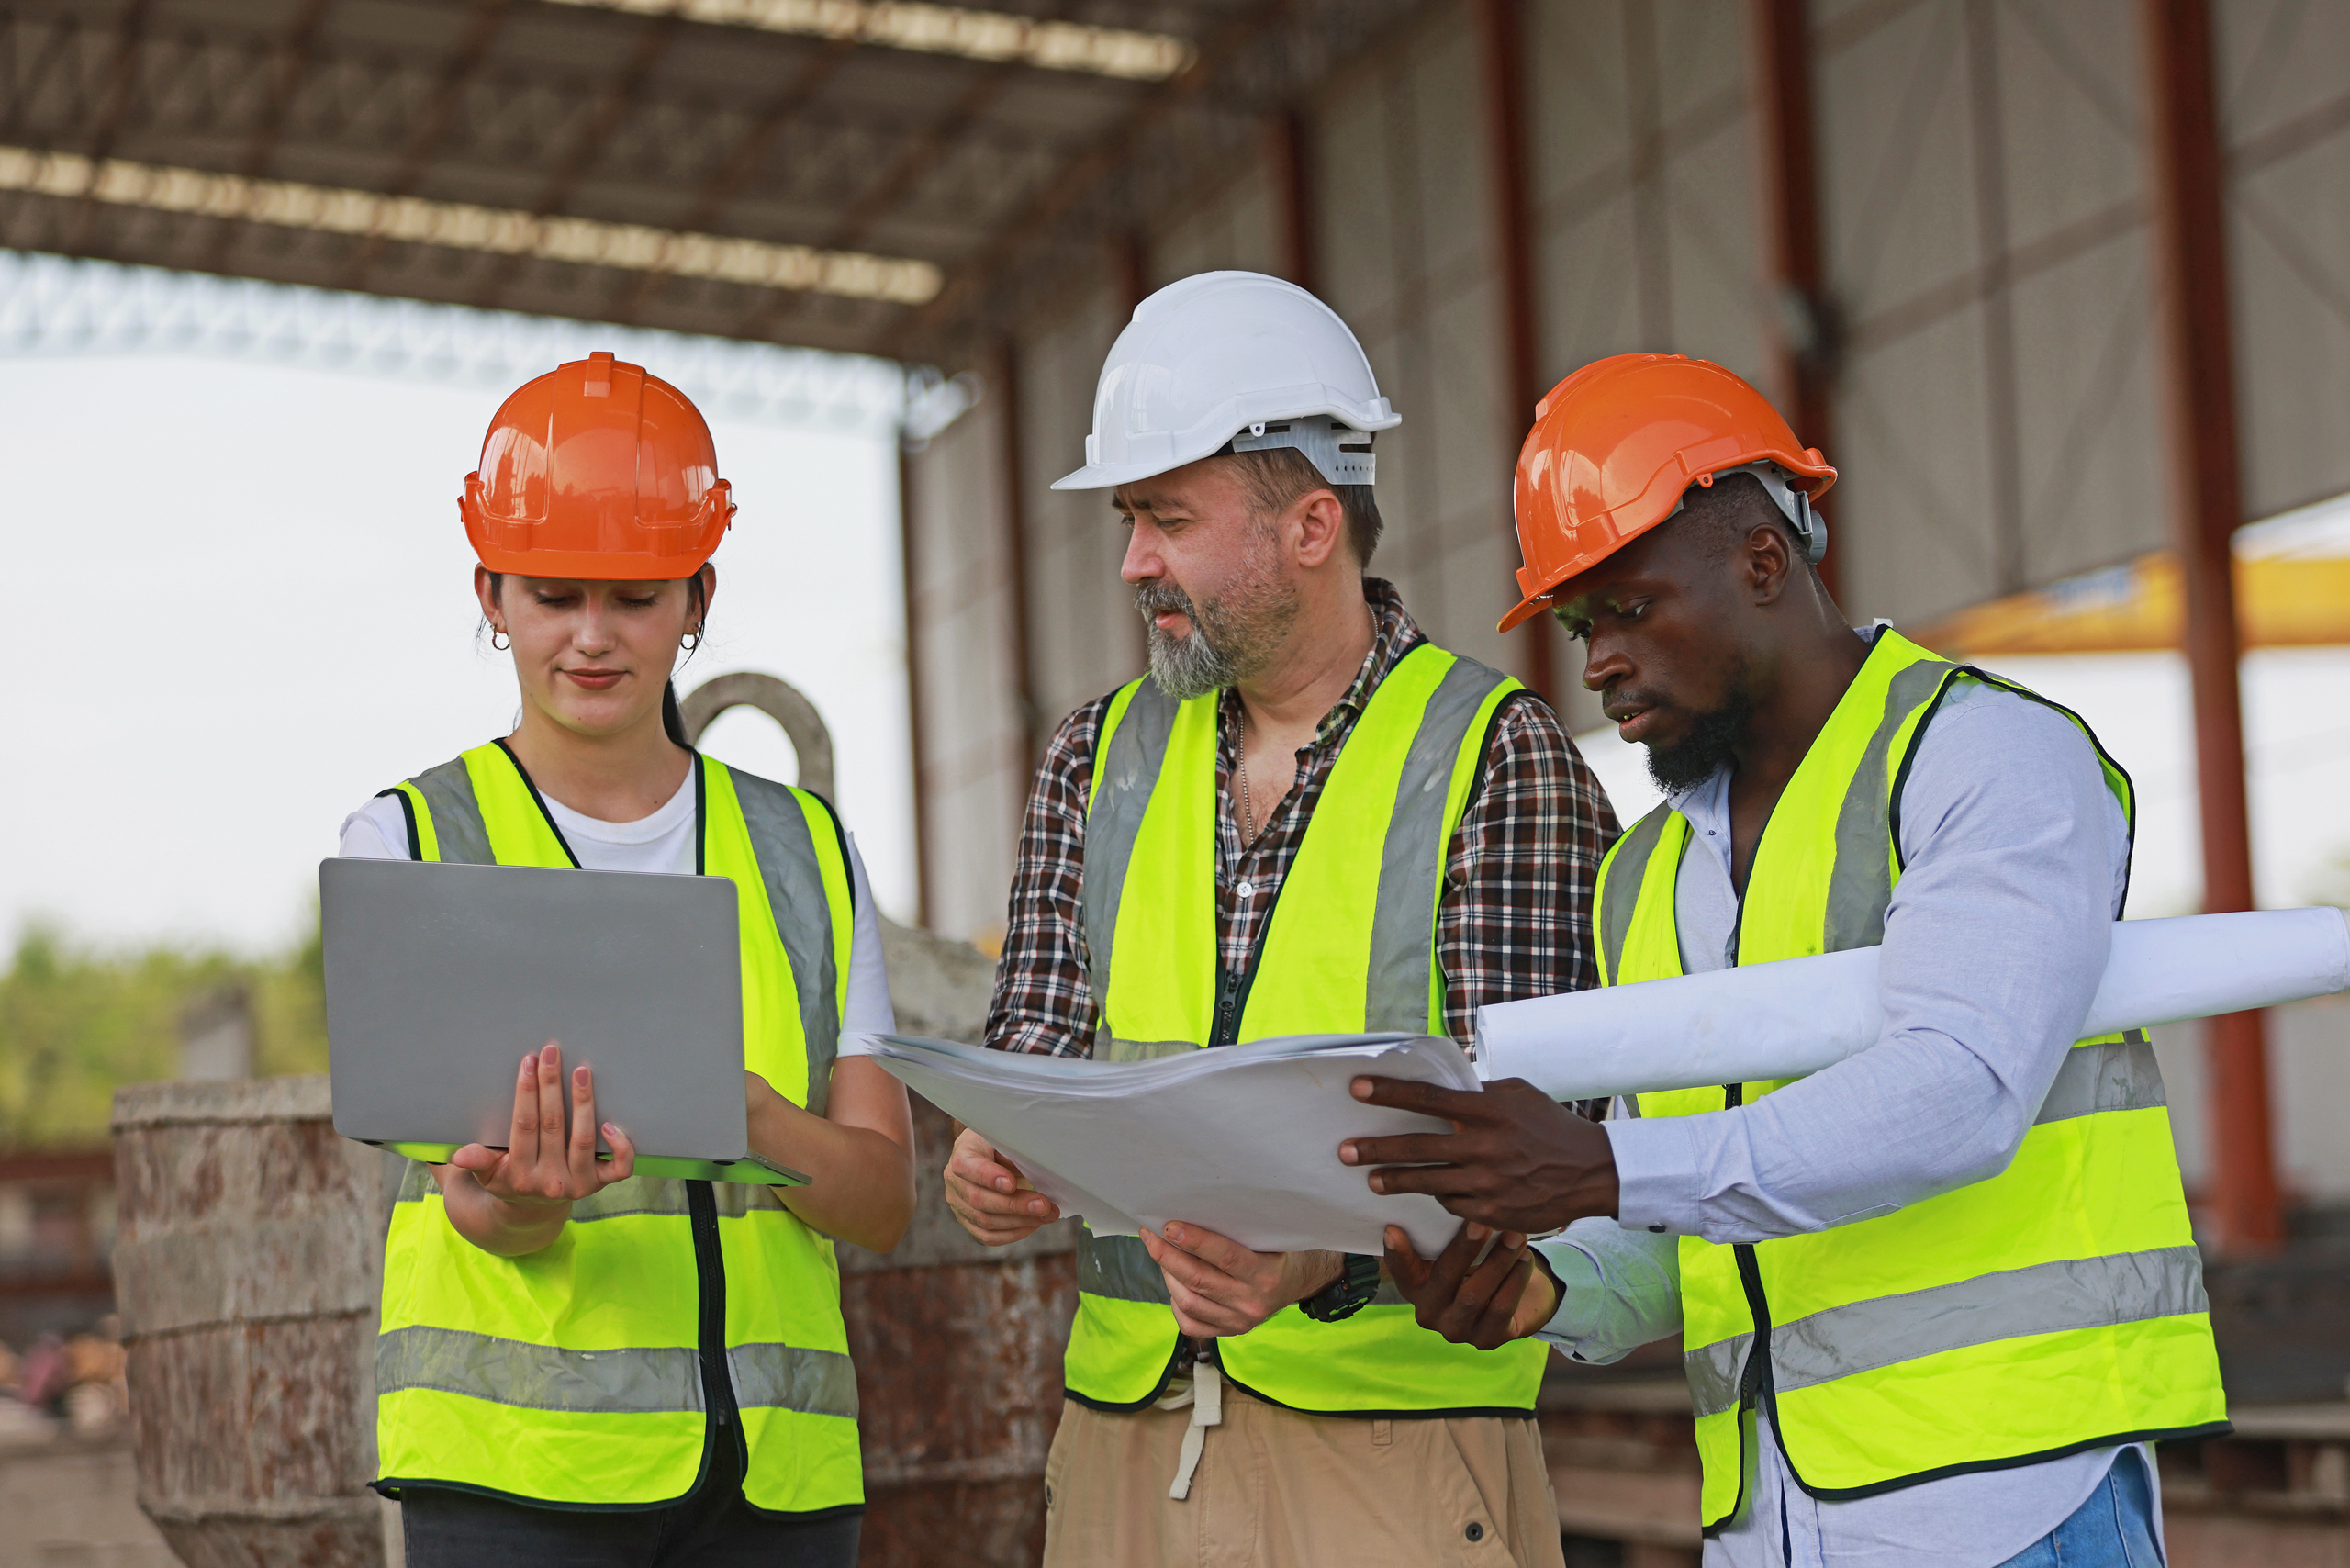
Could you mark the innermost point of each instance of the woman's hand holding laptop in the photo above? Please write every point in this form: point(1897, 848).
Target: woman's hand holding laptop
point(513, 1202)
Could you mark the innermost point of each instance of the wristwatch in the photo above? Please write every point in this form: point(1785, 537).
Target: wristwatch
point(1357, 1282)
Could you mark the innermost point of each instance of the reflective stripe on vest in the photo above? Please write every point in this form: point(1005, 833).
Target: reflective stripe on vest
point(1350, 945)
point(1922, 1342)
point(574, 1375)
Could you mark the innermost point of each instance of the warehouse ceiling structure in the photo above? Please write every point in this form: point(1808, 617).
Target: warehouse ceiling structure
point(850, 174)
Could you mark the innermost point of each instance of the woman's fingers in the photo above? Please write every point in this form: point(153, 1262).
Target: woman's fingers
point(522, 1138)
point(550, 1148)
point(584, 1172)
point(623, 1164)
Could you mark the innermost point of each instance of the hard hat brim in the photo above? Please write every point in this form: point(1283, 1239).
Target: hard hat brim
point(1528, 608)
point(1109, 475)
point(1810, 466)
point(595, 565)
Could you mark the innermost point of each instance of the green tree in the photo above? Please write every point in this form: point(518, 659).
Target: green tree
point(77, 1023)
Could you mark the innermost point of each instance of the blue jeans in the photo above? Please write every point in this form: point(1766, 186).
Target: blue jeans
point(2115, 1528)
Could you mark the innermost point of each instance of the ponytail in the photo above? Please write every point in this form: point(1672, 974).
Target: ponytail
point(673, 721)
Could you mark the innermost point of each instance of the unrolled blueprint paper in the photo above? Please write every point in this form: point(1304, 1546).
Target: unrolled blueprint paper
point(1786, 1019)
point(1242, 1139)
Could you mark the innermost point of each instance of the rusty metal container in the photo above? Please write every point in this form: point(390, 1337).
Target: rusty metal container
point(247, 1265)
point(957, 1347)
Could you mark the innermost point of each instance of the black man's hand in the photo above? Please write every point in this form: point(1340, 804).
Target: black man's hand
point(1486, 1304)
point(1517, 1160)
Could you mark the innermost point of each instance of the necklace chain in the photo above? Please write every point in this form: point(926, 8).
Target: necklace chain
point(1247, 809)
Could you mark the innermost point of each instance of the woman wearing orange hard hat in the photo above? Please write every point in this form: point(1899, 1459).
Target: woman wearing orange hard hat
point(579, 1364)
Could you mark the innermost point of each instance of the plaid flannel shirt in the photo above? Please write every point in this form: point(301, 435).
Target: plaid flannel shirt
point(1514, 919)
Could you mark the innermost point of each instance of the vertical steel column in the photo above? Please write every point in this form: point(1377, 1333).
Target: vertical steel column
point(1009, 454)
point(2186, 171)
point(1804, 326)
point(1289, 165)
point(1501, 27)
point(907, 559)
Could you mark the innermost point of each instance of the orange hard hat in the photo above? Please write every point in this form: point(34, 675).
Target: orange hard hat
point(597, 470)
point(1614, 446)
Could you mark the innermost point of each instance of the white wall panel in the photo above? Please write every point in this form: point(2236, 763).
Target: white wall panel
point(974, 772)
point(1995, 415)
point(1641, 167)
point(1896, 171)
point(1914, 534)
point(2093, 482)
point(1233, 227)
point(2285, 93)
point(1084, 638)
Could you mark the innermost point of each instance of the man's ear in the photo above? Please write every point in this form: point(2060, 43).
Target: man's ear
point(1770, 562)
point(1322, 527)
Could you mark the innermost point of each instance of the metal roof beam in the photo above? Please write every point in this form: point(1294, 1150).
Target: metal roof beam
point(121, 94)
point(1106, 149)
point(439, 115)
point(293, 62)
point(919, 158)
point(741, 165)
point(619, 98)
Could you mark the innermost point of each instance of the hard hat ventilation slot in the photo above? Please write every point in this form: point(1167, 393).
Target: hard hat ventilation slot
point(1339, 452)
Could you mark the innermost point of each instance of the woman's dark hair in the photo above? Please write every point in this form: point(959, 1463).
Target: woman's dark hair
point(673, 721)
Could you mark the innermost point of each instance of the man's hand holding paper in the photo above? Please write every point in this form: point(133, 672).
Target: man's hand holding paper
point(1516, 1159)
point(1218, 1287)
point(990, 1196)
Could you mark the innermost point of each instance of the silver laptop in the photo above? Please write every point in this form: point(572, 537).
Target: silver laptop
point(439, 978)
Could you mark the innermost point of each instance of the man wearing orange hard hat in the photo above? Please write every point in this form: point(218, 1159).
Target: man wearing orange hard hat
point(1936, 1300)
point(579, 1363)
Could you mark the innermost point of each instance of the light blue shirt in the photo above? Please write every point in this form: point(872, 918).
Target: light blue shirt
point(2016, 858)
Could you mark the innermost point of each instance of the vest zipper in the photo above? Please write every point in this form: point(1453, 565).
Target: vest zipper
point(1233, 986)
point(710, 1270)
point(1230, 989)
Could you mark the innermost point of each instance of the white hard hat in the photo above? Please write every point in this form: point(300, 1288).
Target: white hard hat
point(1234, 361)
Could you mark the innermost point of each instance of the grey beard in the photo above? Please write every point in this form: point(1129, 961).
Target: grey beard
point(1232, 636)
point(1189, 667)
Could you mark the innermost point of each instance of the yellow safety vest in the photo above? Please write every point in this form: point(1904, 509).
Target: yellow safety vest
point(577, 1376)
point(2055, 1307)
point(1350, 947)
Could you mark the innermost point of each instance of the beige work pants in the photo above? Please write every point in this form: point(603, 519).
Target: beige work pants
point(1277, 1489)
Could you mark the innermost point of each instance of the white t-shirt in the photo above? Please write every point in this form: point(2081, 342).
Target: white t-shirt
point(662, 842)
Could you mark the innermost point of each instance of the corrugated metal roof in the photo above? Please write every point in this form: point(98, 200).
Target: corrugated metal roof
point(857, 174)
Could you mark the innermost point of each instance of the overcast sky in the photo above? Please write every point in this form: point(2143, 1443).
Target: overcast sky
point(243, 606)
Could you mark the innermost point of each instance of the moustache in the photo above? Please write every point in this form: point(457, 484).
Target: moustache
point(1158, 598)
point(1625, 697)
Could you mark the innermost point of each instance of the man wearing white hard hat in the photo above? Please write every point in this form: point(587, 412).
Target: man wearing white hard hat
point(1307, 818)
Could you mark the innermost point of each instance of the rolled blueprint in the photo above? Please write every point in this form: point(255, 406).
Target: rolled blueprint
point(1786, 1019)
